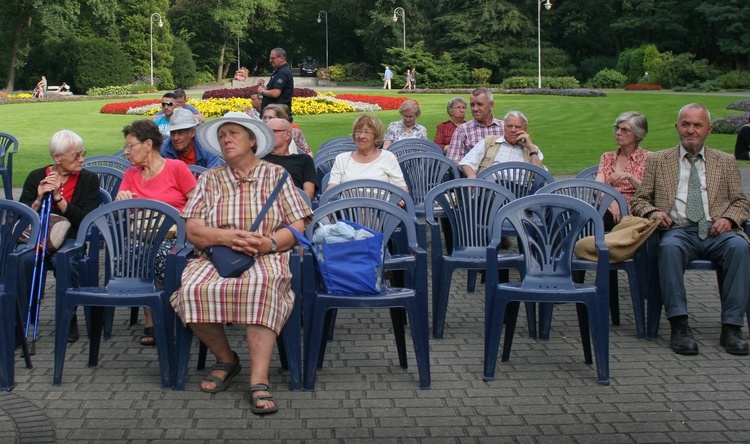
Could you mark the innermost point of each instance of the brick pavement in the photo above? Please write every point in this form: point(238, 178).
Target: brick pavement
point(544, 392)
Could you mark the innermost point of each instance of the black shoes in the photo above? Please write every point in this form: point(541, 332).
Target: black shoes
point(73, 332)
point(731, 339)
point(682, 340)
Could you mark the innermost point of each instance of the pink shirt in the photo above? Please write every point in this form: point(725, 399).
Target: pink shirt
point(635, 166)
point(170, 186)
point(468, 134)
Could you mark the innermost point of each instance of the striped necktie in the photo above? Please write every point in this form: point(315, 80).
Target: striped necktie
point(695, 212)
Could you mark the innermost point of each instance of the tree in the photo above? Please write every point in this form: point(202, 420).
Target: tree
point(731, 18)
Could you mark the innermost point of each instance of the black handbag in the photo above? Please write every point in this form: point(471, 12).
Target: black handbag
point(230, 263)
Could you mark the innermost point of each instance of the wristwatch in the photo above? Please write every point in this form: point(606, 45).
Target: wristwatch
point(273, 244)
point(534, 153)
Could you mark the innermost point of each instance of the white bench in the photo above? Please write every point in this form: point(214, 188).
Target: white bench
point(56, 90)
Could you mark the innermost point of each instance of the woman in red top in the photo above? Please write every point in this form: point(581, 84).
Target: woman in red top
point(623, 168)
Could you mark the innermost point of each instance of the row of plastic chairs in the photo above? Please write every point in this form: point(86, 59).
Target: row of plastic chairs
point(8, 149)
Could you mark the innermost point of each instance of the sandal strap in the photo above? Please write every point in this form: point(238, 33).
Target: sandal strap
point(226, 367)
point(260, 388)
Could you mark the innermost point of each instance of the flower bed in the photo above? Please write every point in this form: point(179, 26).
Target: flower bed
point(642, 87)
point(742, 105)
point(124, 107)
point(731, 124)
point(244, 93)
point(385, 103)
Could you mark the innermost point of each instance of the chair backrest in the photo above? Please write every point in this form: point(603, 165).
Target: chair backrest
point(547, 228)
point(470, 206)
point(132, 231)
point(109, 161)
point(588, 173)
point(335, 141)
point(197, 170)
point(324, 163)
point(523, 179)
point(305, 197)
point(9, 146)
point(375, 189)
point(15, 217)
point(120, 154)
point(405, 146)
point(596, 194)
point(338, 147)
point(423, 171)
point(375, 214)
point(104, 196)
point(109, 178)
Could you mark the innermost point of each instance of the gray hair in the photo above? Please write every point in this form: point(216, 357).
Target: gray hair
point(486, 91)
point(452, 102)
point(693, 105)
point(517, 114)
point(279, 52)
point(637, 121)
point(63, 140)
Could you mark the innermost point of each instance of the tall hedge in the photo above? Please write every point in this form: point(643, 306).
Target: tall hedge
point(183, 66)
point(98, 62)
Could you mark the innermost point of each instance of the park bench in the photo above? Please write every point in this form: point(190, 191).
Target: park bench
point(56, 90)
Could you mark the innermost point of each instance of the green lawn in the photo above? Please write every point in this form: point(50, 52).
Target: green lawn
point(572, 131)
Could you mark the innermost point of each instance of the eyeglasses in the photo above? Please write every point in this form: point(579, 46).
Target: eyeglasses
point(163, 104)
point(622, 129)
point(363, 133)
point(128, 146)
point(409, 117)
point(75, 156)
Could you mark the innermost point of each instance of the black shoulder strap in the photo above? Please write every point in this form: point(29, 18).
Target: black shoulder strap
point(270, 200)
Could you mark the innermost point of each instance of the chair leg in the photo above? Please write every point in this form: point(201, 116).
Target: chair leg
point(585, 329)
point(63, 317)
point(614, 298)
point(600, 335)
point(182, 355)
point(398, 316)
point(20, 334)
point(510, 329)
point(96, 321)
point(420, 334)
point(315, 339)
point(440, 298)
point(109, 320)
point(134, 315)
point(545, 319)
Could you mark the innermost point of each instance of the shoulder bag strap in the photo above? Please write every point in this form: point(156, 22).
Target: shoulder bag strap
point(270, 200)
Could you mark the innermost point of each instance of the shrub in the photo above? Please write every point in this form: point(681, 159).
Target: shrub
point(735, 80)
point(608, 78)
point(592, 65)
point(742, 105)
point(99, 63)
point(336, 72)
point(244, 93)
point(109, 91)
point(731, 124)
point(183, 66)
point(356, 72)
point(432, 72)
point(547, 82)
point(707, 86)
point(202, 77)
point(481, 75)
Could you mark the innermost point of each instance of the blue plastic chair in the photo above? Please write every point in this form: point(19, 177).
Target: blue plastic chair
point(588, 173)
point(109, 178)
point(197, 170)
point(115, 162)
point(289, 341)
point(324, 164)
point(14, 218)
point(338, 147)
point(548, 227)
point(423, 171)
point(386, 218)
point(469, 206)
point(601, 196)
point(8, 148)
point(131, 232)
point(342, 140)
point(521, 178)
point(406, 146)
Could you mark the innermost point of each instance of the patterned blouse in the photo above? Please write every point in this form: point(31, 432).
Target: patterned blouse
point(635, 166)
point(397, 131)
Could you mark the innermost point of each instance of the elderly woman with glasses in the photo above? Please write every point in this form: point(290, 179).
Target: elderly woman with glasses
point(623, 168)
point(367, 161)
point(407, 127)
point(227, 200)
point(74, 192)
point(153, 177)
point(457, 113)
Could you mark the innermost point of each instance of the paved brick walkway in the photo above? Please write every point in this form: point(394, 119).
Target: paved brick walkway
point(544, 393)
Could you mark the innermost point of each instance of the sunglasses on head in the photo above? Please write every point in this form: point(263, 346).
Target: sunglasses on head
point(167, 103)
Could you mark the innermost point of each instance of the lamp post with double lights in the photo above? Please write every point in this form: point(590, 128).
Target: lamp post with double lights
point(325, 14)
point(547, 6)
point(403, 17)
point(161, 23)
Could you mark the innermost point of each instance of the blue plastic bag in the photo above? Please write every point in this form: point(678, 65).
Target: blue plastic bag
point(350, 267)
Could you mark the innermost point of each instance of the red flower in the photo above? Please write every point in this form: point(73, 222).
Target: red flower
point(385, 103)
point(123, 107)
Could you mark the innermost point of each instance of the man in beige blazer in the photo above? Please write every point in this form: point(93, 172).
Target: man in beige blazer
point(714, 233)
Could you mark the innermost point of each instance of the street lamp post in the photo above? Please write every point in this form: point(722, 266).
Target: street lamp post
point(403, 16)
point(325, 14)
point(161, 23)
point(547, 6)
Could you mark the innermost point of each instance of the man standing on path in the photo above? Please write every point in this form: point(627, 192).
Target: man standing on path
point(697, 193)
point(280, 86)
point(387, 76)
point(482, 125)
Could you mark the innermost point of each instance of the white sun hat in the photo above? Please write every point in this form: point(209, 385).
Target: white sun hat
point(264, 138)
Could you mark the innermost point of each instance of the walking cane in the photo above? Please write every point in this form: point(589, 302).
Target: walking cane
point(38, 277)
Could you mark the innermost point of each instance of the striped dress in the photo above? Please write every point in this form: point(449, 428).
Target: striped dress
point(262, 295)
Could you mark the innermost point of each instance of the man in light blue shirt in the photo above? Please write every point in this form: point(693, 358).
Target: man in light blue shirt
point(387, 76)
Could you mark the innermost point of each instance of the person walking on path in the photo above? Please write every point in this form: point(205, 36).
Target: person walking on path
point(387, 76)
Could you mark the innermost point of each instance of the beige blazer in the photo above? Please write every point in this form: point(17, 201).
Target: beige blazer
point(726, 197)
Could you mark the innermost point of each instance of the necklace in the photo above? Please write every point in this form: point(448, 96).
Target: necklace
point(153, 173)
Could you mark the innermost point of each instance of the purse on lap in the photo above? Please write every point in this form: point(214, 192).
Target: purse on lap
point(230, 263)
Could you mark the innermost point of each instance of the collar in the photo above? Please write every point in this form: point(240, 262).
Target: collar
point(701, 153)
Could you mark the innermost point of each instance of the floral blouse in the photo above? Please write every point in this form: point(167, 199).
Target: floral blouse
point(635, 166)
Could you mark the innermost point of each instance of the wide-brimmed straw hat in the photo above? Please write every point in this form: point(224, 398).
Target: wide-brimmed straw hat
point(182, 119)
point(208, 133)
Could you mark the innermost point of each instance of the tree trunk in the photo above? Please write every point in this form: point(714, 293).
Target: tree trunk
point(220, 67)
point(14, 56)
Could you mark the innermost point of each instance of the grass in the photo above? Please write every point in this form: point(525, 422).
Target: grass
point(573, 132)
